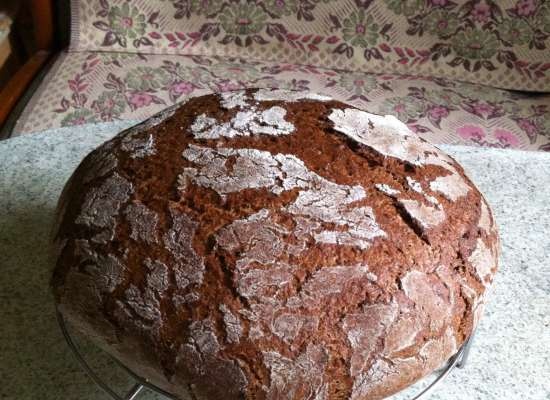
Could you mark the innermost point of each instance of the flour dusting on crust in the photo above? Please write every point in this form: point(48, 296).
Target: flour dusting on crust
point(233, 99)
point(382, 374)
point(485, 219)
point(102, 205)
point(389, 137)
point(402, 333)
point(158, 276)
point(387, 189)
point(288, 326)
point(137, 146)
point(431, 303)
point(363, 331)
point(414, 184)
point(252, 169)
point(452, 186)
point(143, 222)
point(189, 269)
point(424, 216)
point(322, 200)
point(436, 351)
point(245, 123)
point(108, 270)
point(304, 375)
point(145, 305)
point(211, 374)
point(233, 328)
point(483, 261)
point(386, 373)
point(330, 281)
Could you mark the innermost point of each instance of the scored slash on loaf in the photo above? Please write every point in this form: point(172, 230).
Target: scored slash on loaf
point(272, 244)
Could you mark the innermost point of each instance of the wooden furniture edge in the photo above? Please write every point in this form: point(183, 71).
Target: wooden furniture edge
point(42, 16)
point(15, 88)
point(43, 19)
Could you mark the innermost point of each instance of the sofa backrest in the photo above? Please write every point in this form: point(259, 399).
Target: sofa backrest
point(499, 43)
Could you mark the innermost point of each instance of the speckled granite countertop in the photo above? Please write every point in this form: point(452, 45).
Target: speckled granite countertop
point(511, 355)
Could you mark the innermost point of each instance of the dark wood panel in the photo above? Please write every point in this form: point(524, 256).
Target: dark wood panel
point(34, 32)
point(42, 17)
point(21, 80)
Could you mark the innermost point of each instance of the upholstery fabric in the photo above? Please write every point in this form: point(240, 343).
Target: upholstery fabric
point(87, 87)
point(503, 44)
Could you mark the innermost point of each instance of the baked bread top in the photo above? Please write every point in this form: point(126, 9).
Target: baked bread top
point(271, 244)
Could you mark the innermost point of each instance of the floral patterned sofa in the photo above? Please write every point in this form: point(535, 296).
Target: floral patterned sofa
point(465, 72)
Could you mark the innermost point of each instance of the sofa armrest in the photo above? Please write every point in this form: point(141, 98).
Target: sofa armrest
point(41, 20)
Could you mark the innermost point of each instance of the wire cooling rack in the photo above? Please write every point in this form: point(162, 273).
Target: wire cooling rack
point(456, 361)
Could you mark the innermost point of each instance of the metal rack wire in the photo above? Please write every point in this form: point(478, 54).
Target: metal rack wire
point(456, 361)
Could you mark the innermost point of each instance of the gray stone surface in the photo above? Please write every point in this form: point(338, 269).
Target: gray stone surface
point(511, 355)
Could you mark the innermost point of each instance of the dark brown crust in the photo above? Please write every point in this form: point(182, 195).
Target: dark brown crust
point(441, 254)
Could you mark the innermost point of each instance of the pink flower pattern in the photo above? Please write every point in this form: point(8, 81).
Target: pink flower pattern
point(481, 12)
point(527, 126)
point(526, 8)
point(438, 112)
point(483, 109)
point(471, 132)
point(427, 106)
point(468, 37)
point(111, 80)
point(499, 138)
point(506, 138)
point(140, 99)
point(227, 86)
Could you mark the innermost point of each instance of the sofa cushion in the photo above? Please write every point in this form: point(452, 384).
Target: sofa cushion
point(87, 87)
point(503, 44)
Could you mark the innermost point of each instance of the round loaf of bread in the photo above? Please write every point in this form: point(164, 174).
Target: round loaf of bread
point(278, 245)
